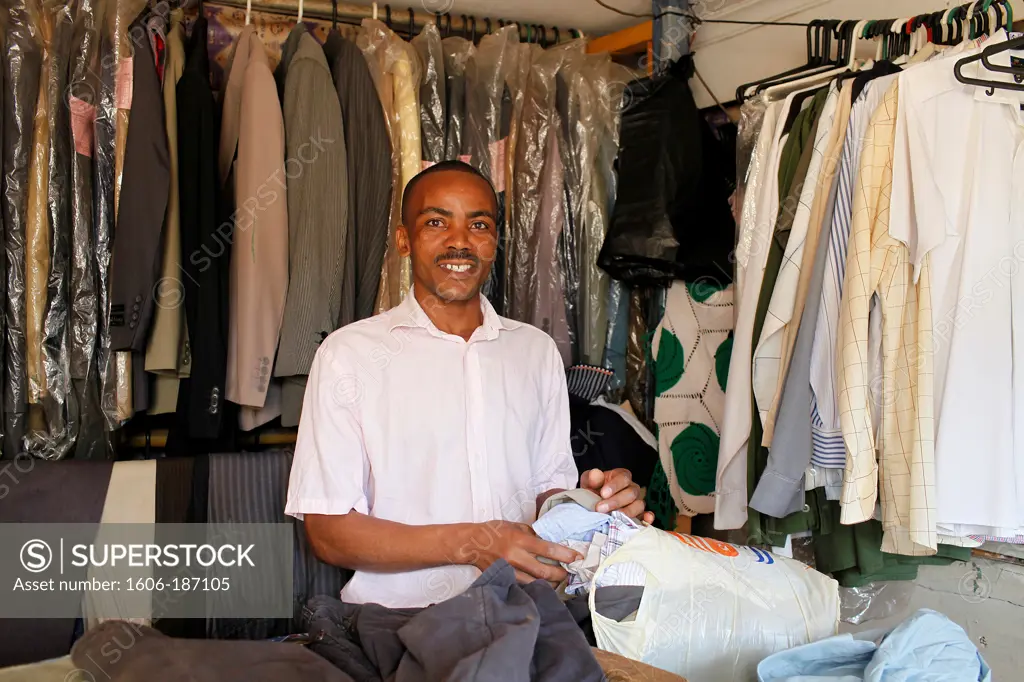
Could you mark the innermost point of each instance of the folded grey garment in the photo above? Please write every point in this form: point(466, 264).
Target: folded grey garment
point(587, 499)
point(119, 651)
point(618, 602)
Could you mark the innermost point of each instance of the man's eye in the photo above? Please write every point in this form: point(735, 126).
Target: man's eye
point(481, 226)
point(434, 222)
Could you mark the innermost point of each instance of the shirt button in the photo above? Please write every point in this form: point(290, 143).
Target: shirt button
point(138, 299)
point(807, 508)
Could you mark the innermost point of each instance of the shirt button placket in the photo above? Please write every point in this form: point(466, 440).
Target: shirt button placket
point(475, 446)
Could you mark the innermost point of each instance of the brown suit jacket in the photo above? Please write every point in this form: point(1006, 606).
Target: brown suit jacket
point(253, 125)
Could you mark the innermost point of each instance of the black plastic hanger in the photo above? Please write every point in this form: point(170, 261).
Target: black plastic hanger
point(387, 16)
point(813, 62)
point(983, 56)
point(334, 14)
point(412, 24)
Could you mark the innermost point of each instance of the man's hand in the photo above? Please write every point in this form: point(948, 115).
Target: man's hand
point(617, 492)
point(517, 544)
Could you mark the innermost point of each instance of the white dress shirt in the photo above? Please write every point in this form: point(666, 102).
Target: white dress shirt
point(404, 422)
point(958, 192)
point(768, 356)
point(760, 206)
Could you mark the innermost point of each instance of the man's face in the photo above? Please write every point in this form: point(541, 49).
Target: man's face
point(450, 233)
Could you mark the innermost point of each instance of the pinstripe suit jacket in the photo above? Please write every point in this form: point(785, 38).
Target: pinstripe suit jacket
point(369, 174)
point(317, 177)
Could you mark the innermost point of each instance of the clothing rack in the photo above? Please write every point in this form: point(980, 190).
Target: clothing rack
point(408, 22)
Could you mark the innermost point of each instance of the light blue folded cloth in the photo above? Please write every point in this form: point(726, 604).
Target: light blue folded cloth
point(927, 647)
point(571, 522)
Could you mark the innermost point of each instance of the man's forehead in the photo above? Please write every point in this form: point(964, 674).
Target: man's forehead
point(438, 189)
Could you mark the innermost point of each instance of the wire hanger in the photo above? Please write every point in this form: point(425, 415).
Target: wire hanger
point(375, 11)
point(248, 12)
point(299, 20)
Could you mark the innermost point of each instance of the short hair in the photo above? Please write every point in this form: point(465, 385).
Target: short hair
point(453, 165)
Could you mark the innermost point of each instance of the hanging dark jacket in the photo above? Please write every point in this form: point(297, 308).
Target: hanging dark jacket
point(672, 218)
point(369, 174)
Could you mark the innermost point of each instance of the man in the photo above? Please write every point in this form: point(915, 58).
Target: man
point(431, 434)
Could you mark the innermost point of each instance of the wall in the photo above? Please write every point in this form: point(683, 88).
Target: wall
point(728, 55)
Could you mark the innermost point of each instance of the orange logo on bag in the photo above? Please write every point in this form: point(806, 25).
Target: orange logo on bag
point(707, 545)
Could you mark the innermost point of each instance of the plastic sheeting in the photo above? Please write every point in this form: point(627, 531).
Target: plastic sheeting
point(396, 71)
point(485, 137)
point(672, 218)
point(457, 52)
point(537, 277)
point(22, 63)
point(82, 294)
point(433, 92)
point(53, 420)
point(590, 89)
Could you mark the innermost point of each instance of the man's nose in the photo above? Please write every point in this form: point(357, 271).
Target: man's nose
point(457, 237)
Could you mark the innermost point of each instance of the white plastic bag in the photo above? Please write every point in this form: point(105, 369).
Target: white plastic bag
point(712, 611)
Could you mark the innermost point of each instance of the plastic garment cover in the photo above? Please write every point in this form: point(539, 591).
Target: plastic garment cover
point(748, 129)
point(37, 234)
point(83, 306)
point(520, 60)
point(433, 100)
point(22, 62)
point(112, 118)
point(537, 279)
point(637, 349)
point(3, 207)
point(53, 419)
point(589, 92)
point(457, 52)
point(672, 217)
point(395, 67)
point(485, 136)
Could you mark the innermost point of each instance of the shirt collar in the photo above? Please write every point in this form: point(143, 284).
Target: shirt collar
point(409, 313)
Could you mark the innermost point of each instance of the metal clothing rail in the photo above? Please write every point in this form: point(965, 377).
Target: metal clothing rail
point(408, 22)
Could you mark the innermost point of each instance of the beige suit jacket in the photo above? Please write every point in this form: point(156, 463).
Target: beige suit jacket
point(253, 126)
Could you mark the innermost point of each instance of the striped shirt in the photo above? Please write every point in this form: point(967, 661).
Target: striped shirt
point(827, 437)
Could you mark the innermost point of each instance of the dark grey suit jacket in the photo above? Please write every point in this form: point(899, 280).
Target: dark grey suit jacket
point(145, 187)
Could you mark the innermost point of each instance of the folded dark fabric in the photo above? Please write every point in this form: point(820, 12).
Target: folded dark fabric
point(35, 491)
point(495, 630)
point(119, 651)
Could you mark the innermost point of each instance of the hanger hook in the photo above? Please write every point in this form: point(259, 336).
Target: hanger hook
point(558, 36)
point(387, 15)
point(487, 22)
point(248, 12)
point(299, 19)
point(465, 25)
point(334, 13)
point(412, 23)
point(472, 23)
point(447, 24)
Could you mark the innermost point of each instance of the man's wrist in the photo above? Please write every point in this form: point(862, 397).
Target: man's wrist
point(460, 544)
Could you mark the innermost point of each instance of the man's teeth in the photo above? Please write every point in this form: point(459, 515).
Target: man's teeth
point(456, 268)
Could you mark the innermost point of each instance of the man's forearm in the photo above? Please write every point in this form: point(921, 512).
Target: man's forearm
point(364, 543)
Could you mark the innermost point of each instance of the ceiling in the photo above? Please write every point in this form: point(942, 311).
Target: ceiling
point(585, 15)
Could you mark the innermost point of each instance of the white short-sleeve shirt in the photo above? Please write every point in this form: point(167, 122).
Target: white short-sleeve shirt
point(404, 422)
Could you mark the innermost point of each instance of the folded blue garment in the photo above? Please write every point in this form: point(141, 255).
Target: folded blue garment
point(927, 647)
point(570, 521)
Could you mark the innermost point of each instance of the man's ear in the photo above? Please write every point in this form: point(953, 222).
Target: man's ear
point(403, 241)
